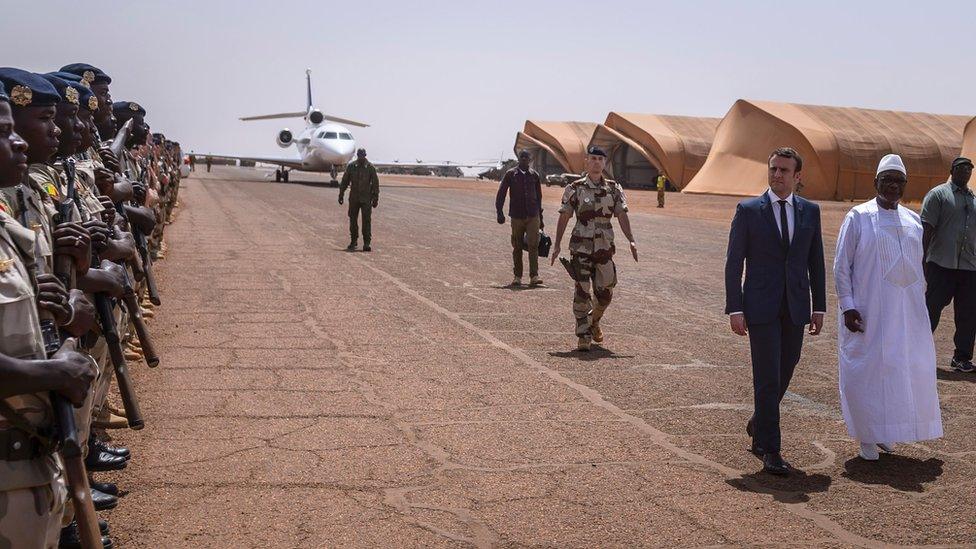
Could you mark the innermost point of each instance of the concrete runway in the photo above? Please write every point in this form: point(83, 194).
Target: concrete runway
point(312, 397)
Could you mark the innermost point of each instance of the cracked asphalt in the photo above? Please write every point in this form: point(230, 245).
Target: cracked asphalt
point(312, 397)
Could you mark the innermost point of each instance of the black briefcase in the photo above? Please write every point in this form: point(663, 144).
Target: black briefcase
point(545, 244)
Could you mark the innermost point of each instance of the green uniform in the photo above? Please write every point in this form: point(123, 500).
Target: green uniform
point(364, 192)
point(661, 185)
point(591, 246)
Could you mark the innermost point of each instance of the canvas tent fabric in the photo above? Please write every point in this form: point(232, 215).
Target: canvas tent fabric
point(840, 146)
point(563, 141)
point(642, 145)
point(969, 141)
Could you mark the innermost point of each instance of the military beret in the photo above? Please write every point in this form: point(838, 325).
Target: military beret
point(962, 161)
point(128, 108)
point(596, 151)
point(88, 99)
point(70, 92)
point(87, 73)
point(3, 93)
point(27, 89)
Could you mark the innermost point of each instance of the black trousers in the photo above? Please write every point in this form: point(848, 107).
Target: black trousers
point(959, 287)
point(775, 348)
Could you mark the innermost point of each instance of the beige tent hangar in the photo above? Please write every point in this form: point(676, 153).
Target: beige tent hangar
point(969, 140)
point(557, 147)
point(641, 146)
point(840, 147)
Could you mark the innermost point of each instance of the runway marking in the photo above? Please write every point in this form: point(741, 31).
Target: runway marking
point(656, 436)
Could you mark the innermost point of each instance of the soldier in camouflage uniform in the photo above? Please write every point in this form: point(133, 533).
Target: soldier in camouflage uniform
point(594, 201)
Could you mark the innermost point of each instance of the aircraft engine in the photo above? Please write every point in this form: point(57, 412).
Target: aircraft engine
point(316, 117)
point(285, 138)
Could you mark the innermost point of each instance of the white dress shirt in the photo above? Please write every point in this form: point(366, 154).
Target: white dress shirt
point(790, 223)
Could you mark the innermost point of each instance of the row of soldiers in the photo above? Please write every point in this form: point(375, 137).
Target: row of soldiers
point(85, 192)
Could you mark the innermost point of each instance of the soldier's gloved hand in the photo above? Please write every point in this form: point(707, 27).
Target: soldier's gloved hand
point(376, 202)
point(53, 298)
point(501, 218)
point(341, 199)
point(71, 372)
point(110, 160)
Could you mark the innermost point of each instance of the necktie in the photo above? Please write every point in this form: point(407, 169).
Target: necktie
point(784, 227)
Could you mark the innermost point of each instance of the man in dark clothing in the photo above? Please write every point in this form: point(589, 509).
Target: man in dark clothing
point(363, 197)
point(524, 187)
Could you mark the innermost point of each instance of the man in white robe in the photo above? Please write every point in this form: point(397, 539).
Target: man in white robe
point(887, 354)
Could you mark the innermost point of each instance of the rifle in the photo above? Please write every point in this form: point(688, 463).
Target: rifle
point(68, 440)
point(118, 143)
point(144, 254)
point(103, 307)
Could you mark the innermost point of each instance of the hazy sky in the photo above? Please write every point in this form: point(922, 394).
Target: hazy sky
point(455, 80)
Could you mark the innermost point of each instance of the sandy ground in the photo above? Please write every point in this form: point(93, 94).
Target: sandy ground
point(312, 397)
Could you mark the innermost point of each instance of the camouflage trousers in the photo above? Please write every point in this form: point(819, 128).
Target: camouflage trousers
point(30, 518)
point(601, 274)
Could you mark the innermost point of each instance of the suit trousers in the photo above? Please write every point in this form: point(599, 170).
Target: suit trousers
point(775, 348)
point(959, 287)
point(355, 207)
point(529, 228)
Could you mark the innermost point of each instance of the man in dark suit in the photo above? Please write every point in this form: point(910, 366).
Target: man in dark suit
point(777, 236)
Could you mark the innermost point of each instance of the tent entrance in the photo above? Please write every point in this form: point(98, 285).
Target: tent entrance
point(631, 169)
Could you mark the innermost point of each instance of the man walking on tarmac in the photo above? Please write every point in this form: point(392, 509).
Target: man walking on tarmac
point(524, 188)
point(363, 197)
point(662, 184)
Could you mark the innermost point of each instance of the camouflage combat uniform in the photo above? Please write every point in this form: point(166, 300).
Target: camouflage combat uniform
point(32, 489)
point(591, 246)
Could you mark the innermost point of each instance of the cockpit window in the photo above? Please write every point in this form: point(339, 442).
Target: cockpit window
point(321, 134)
point(331, 135)
point(345, 136)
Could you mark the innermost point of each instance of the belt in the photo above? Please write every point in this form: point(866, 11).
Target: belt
point(16, 445)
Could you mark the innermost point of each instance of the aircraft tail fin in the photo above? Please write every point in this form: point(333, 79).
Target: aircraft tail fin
point(308, 89)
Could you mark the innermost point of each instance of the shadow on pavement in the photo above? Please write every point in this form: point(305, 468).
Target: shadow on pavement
point(595, 353)
point(795, 488)
point(952, 375)
point(903, 473)
point(520, 288)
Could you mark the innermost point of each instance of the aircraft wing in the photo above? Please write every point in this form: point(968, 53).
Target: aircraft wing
point(275, 116)
point(293, 163)
point(396, 164)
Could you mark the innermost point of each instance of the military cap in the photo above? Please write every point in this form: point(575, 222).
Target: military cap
point(961, 161)
point(128, 108)
point(27, 89)
point(596, 151)
point(3, 93)
point(70, 92)
point(87, 99)
point(87, 73)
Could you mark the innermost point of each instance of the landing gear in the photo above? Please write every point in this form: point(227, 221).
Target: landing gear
point(284, 175)
point(277, 176)
point(281, 175)
point(334, 172)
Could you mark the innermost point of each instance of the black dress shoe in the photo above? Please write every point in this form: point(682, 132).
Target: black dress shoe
point(103, 501)
point(351, 247)
point(109, 488)
point(366, 248)
point(102, 446)
point(71, 539)
point(103, 526)
point(756, 449)
point(774, 464)
point(104, 461)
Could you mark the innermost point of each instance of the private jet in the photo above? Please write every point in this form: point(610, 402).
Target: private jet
point(325, 145)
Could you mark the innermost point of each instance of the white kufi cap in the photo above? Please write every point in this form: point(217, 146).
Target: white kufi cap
point(891, 162)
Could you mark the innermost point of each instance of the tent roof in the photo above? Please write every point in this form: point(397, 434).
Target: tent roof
point(567, 141)
point(969, 140)
point(840, 146)
point(676, 145)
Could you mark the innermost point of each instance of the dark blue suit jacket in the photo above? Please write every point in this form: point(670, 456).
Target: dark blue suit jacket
point(772, 272)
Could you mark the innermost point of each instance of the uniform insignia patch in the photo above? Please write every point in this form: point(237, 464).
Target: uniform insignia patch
point(93, 103)
point(51, 190)
point(88, 77)
point(5, 265)
point(71, 95)
point(21, 96)
point(133, 107)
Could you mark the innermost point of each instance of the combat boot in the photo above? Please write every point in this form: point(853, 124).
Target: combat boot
point(583, 344)
point(597, 333)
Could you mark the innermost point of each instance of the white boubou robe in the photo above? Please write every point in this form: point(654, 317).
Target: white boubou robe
point(887, 373)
